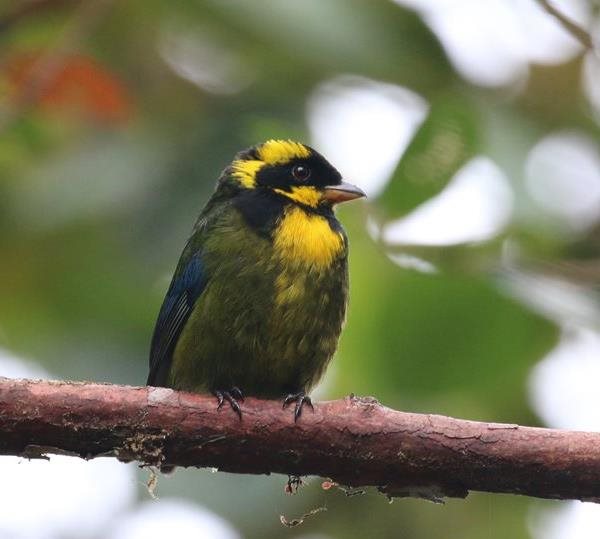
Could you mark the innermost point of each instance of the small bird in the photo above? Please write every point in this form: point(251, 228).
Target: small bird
point(258, 298)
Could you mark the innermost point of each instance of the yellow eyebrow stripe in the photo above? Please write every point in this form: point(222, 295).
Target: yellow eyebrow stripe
point(278, 152)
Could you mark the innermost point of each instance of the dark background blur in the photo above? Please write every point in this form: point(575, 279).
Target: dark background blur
point(475, 263)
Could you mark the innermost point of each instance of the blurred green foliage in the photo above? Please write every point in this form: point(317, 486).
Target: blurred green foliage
point(94, 210)
point(445, 141)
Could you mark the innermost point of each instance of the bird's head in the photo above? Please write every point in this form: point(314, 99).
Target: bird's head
point(291, 170)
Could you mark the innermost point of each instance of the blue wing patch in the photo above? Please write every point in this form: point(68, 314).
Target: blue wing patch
point(186, 287)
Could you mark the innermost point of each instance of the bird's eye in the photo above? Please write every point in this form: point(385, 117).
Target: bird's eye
point(301, 172)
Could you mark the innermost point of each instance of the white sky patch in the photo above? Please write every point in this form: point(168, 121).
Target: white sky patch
point(164, 518)
point(569, 520)
point(543, 38)
point(12, 366)
point(563, 177)
point(474, 206)
point(564, 385)
point(412, 262)
point(201, 57)
point(557, 299)
point(63, 497)
point(363, 127)
point(491, 43)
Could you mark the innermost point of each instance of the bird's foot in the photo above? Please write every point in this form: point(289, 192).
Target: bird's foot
point(232, 397)
point(300, 399)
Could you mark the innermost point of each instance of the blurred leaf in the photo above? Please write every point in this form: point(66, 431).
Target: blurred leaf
point(446, 140)
point(306, 41)
point(474, 258)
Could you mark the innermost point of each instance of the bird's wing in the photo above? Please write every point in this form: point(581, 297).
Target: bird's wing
point(188, 283)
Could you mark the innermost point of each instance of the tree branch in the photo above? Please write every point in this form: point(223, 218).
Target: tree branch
point(579, 33)
point(354, 441)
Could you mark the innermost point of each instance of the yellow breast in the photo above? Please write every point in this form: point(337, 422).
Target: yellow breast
point(307, 239)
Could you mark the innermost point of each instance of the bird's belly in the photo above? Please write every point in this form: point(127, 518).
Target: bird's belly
point(269, 333)
point(305, 324)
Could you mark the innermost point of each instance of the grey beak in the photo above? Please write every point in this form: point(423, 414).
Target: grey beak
point(342, 193)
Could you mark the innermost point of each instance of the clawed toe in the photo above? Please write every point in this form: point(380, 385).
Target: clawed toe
point(232, 396)
point(300, 399)
point(236, 393)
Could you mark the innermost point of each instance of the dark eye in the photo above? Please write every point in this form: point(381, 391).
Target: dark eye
point(301, 172)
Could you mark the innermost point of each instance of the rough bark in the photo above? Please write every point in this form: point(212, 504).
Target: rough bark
point(354, 441)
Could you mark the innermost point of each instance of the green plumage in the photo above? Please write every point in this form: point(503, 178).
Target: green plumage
point(237, 335)
point(243, 310)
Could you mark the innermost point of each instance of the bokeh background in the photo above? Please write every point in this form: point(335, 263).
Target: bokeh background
point(475, 264)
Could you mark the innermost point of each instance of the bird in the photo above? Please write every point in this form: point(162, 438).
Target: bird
point(258, 299)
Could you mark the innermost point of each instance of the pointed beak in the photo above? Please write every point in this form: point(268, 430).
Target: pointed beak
point(342, 193)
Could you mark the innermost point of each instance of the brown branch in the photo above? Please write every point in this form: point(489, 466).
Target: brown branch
point(579, 33)
point(354, 441)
